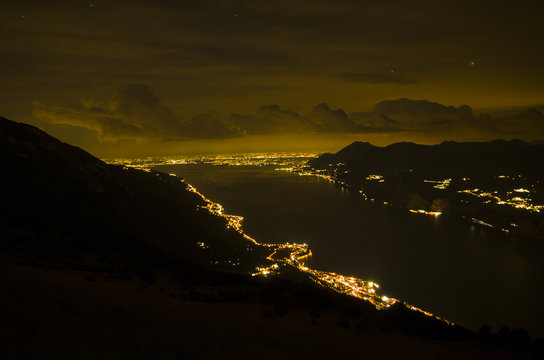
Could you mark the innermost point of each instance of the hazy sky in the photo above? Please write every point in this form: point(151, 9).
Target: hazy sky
point(140, 76)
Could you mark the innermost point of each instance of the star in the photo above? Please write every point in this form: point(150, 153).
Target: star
point(472, 63)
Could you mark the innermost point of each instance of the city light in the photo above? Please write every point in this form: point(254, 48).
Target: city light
point(282, 255)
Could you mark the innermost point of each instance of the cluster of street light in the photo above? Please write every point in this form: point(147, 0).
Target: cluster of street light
point(440, 184)
point(296, 255)
point(236, 159)
point(518, 198)
point(374, 177)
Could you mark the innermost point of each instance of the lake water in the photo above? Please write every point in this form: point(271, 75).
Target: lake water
point(463, 272)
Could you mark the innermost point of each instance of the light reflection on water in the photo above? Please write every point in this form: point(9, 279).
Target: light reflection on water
point(467, 274)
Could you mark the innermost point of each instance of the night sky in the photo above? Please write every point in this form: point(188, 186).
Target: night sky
point(152, 77)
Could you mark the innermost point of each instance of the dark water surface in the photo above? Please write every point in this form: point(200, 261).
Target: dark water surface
point(463, 272)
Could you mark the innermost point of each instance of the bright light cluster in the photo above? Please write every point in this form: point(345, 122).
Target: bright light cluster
point(440, 184)
point(286, 254)
point(516, 201)
point(287, 159)
point(432, 213)
point(378, 178)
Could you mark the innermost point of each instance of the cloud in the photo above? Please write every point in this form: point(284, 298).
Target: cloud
point(530, 120)
point(375, 78)
point(420, 114)
point(94, 119)
point(272, 120)
point(328, 120)
point(208, 126)
point(373, 123)
point(133, 112)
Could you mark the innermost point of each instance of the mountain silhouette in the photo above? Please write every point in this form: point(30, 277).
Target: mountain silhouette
point(447, 159)
point(60, 193)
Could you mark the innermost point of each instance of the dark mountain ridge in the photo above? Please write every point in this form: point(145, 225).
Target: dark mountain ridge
point(449, 158)
point(59, 192)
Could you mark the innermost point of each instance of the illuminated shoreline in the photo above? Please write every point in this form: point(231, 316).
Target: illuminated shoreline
point(296, 255)
point(235, 159)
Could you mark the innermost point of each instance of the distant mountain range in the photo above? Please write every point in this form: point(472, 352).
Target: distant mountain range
point(447, 159)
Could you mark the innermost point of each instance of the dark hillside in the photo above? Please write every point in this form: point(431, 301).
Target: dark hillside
point(56, 192)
